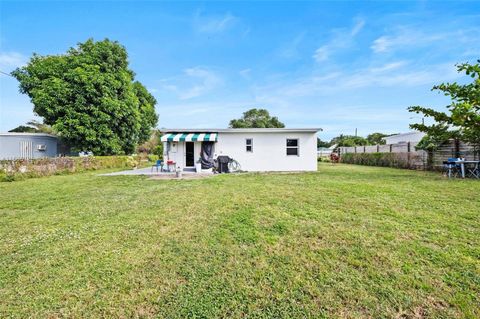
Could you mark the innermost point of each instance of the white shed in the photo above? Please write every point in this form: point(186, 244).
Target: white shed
point(255, 149)
point(27, 145)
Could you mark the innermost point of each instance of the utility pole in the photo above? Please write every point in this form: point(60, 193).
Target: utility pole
point(355, 132)
point(417, 117)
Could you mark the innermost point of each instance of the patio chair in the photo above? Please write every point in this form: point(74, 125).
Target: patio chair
point(474, 170)
point(451, 168)
point(158, 163)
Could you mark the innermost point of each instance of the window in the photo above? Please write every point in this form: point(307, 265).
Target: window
point(249, 144)
point(292, 146)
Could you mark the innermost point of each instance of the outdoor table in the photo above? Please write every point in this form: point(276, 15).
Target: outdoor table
point(475, 171)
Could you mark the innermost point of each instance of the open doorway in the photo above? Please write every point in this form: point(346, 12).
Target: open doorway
point(189, 154)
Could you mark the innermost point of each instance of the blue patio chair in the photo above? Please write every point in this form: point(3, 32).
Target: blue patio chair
point(451, 167)
point(158, 163)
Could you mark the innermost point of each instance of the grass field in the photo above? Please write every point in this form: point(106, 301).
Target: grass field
point(346, 242)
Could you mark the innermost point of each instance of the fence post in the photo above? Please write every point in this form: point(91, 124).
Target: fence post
point(408, 156)
point(391, 148)
point(430, 155)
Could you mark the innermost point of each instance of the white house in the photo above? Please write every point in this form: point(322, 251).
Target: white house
point(255, 149)
point(412, 137)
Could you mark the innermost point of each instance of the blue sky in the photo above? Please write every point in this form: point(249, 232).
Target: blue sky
point(335, 65)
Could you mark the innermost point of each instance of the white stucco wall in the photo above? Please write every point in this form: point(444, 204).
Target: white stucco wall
point(269, 151)
point(179, 155)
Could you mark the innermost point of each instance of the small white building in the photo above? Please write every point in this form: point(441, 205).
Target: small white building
point(27, 145)
point(255, 149)
point(412, 137)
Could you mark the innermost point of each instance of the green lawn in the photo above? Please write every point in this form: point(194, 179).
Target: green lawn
point(346, 242)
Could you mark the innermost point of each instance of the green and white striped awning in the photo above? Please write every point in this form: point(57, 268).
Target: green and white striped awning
point(189, 137)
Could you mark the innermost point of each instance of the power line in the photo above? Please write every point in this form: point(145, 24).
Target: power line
point(6, 73)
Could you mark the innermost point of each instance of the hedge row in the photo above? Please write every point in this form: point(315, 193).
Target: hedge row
point(398, 160)
point(21, 169)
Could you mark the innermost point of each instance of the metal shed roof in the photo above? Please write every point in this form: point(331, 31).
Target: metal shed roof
point(27, 134)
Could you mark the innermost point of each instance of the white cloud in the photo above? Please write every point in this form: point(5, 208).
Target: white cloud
point(357, 27)
point(322, 53)
point(308, 86)
point(408, 37)
point(401, 74)
point(389, 66)
point(208, 80)
point(213, 24)
point(341, 39)
point(403, 38)
point(11, 60)
point(245, 73)
point(194, 82)
point(290, 49)
point(198, 114)
point(381, 44)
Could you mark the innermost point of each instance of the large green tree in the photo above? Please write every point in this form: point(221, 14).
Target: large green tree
point(256, 118)
point(462, 119)
point(321, 143)
point(89, 97)
point(348, 140)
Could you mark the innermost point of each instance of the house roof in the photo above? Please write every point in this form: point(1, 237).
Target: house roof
point(240, 130)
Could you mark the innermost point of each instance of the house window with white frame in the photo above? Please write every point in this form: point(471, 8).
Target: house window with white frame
point(292, 146)
point(249, 144)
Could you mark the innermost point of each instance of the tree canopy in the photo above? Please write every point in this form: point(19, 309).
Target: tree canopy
point(88, 96)
point(256, 118)
point(349, 140)
point(376, 138)
point(24, 129)
point(321, 143)
point(153, 145)
point(33, 127)
point(462, 119)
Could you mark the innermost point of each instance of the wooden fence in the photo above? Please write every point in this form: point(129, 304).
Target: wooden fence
point(420, 159)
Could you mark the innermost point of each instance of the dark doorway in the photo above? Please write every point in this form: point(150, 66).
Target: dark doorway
point(189, 154)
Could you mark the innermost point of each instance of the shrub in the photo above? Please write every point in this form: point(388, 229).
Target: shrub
point(158, 150)
point(153, 157)
point(22, 169)
point(399, 160)
point(323, 159)
point(132, 162)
